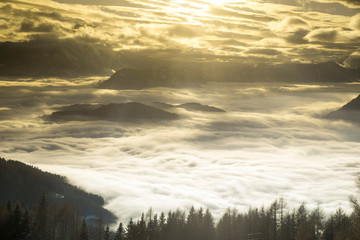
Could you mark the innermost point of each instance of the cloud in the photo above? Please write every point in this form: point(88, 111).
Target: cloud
point(292, 29)
point(28, 26)
point(353, 61)
point(264, 51)
point(322, 35)
point(353, 2)
point(198, 31)
point(229, 13)
point(355, 22)
point(293, 22)
point(183, 31)
point(349, 3)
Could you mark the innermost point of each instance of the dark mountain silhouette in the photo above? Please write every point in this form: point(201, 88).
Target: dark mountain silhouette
point(290, 72)
point(53, 57)
point(25, 184)
point(348, 112)
point(321, 72)
point(117, 112)
point(130, 78)
point(192, 106)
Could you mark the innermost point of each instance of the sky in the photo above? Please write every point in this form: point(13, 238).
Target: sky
point(272, 141)
point(257, 32)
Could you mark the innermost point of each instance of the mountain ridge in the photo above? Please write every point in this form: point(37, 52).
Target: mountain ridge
point(349, 112)
point(141, 78)
point(25, 184)
point(114, 112)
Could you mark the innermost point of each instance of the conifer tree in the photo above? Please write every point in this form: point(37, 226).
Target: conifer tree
point(84, 232)
point(131, 230)
point(119, 235)
point(40, 228)
point(107, 233)
point(355, 216)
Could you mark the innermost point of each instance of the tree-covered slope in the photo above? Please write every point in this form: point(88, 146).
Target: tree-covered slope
point(25, 184)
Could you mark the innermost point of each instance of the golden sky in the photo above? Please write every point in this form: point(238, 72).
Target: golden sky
point(261, 31)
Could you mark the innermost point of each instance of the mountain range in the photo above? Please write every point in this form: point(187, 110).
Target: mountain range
point(135, 78)
point(191, 106)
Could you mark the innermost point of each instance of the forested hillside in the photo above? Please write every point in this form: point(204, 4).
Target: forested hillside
point(25, 184)
point(50, 219)
point(276, 222)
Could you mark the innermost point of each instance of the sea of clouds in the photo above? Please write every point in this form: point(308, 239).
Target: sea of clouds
point(271, 142)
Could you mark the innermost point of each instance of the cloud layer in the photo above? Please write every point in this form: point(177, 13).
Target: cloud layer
point(244, 156)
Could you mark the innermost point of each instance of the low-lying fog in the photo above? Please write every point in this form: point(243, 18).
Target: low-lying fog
point(270, 142)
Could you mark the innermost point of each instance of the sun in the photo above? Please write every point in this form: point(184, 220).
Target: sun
point(221, 2)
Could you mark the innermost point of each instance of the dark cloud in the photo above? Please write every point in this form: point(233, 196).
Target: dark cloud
point(322, 35)
point(26, 149)
point(29, 26)
point(297, 37)
point(352, 2)
point(48, 56)
point(264, 51)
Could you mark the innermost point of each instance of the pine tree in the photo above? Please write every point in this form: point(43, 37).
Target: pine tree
point(131, 233)
point(40, 228)
point(162, 226)
point(119, 235)
point(355, 216)
point(25, 226)
point(16, 218)
point(100, 223)
point(142, 228)
point(84, 232)
point(107, 233)
point(207, 226)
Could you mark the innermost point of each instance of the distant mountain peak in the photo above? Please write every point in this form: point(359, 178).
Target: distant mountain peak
point(114, 112)
point(349, 112)
point(190, 106)
point(353, 104)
